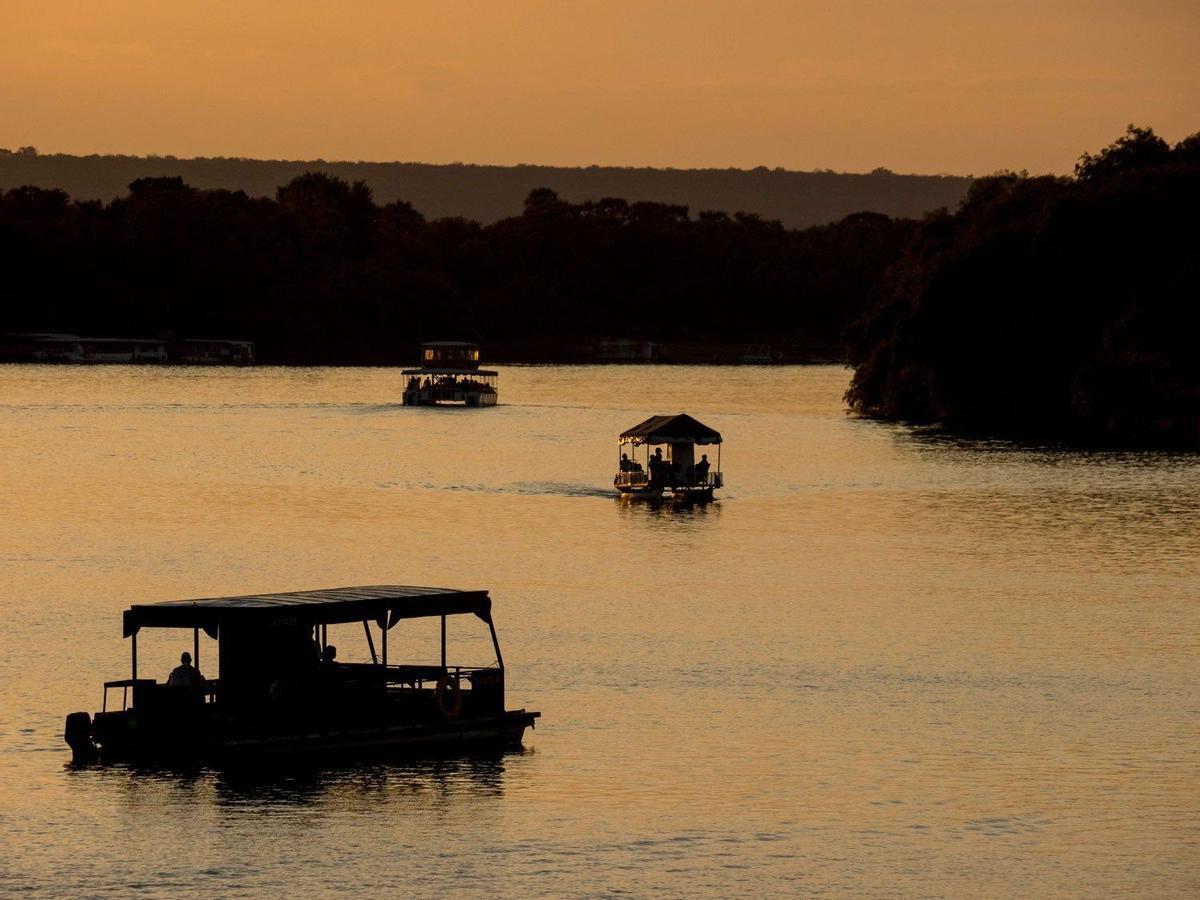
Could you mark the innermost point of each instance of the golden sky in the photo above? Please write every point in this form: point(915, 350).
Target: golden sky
point(959, 87)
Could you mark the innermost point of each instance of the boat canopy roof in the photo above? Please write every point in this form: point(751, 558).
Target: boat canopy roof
point(329, 606)
point(426, 370)
point(678, 429)
point(464, 344)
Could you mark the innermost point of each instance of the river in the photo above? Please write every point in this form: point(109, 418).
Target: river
point(884, 663)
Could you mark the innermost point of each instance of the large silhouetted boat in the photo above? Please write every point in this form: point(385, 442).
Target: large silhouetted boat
point(450, 374)
point(282, 692)
point(683, 474)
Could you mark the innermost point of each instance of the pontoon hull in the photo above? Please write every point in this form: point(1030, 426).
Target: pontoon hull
point(148, 745)
point(676, 495)
point(458, 398)
point(461, 734)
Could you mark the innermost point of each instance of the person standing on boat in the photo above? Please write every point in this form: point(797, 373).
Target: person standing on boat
point(701, 469)
point(185, 674)
point(658, 467)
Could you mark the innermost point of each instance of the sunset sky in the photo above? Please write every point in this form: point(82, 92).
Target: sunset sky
point(957, 87)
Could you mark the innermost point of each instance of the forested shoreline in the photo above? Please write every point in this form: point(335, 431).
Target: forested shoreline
point(321, 274)
point(1046, 308)
point(1049, 308)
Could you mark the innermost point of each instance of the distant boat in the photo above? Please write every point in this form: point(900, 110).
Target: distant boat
point(213, 352)
point(282, 691)
point(679, 474)
point(74, 348)
point(761, 355)
point(626, 350)
point(450, 374)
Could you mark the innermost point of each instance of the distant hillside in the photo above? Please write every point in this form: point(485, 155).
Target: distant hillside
point(488, 193)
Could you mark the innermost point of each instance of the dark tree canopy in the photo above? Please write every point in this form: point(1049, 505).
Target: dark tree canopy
point(1050, 307)
point(322, 274)
point(1138, 148)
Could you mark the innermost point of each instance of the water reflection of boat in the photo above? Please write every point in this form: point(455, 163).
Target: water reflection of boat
point(678, 474)
point(281, 692)
point(450, 373)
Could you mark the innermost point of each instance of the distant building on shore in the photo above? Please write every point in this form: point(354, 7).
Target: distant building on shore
point(207, 352)
point(626, 350)
point(73, 348)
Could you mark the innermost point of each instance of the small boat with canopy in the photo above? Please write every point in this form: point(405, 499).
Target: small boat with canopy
point(450, 374)
point(683, 473)
point(281, 691)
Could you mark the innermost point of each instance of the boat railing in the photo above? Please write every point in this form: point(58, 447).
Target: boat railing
point(412, 676)
point(630, 479)
point(420, 677)
point(671, 479)
point(691, 479)
point(207, 690)
point(453, 391)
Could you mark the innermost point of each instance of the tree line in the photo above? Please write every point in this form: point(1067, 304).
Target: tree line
point(1042, 307)
point(1049, 308)
point(323, 274)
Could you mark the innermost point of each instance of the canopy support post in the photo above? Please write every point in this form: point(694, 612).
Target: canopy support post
point(133, 646)
point(496, 643)
point(443, 643)
point(370, 641)
point(196, 648)
point(384, 640)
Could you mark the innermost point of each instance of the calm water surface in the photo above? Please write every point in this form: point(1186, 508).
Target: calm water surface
point(881, 664)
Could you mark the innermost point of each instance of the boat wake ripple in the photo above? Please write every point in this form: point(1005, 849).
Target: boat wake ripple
point(526, 488)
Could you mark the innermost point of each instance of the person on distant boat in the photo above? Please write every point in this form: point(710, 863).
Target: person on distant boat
point(626, 463)
point(658, 467)
point(329, 673)
point(701, 469)
point(185, 674)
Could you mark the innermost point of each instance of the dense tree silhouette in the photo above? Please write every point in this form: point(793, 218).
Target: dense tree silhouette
point(322, 274)
point(1041, 307)
point(1138, 148)
point(1061, 308)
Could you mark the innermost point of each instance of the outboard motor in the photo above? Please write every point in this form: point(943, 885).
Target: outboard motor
point(78, 735)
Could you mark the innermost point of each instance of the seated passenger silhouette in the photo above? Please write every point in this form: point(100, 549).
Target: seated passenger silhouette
point(184, 674)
